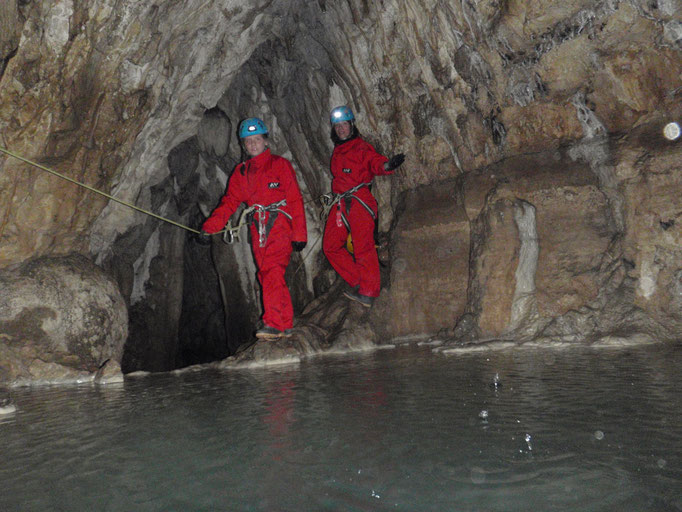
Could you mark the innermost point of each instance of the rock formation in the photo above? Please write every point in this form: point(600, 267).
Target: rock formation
point(60, 319)
point(539, 199)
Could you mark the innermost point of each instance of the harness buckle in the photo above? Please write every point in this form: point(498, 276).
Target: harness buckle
point(229, 237)
point(327, 199)
point(264, 227)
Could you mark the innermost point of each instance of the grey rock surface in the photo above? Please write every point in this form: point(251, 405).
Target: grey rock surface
point(60, 318)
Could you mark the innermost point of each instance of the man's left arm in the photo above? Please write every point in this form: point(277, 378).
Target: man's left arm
point(294, 203)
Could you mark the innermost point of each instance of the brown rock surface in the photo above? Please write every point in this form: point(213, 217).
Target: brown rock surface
point(574, 229)
point(429, 269)
point(550, 104)
point(653, 238)
point(495, 257)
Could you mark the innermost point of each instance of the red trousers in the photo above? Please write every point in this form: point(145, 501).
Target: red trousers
point(272, 261)
point(362, 267)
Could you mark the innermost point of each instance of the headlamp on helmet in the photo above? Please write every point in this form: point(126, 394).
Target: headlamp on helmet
point(340, 114)
point(252, 126)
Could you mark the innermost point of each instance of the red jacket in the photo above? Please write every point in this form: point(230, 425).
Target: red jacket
point(263, 179)
point(355, 162)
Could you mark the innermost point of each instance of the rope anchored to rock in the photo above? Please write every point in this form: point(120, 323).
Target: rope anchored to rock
point(230, 232)
point(92, 189)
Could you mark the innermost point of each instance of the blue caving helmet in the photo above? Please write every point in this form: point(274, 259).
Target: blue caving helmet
point(252, 126)
point(342, 113)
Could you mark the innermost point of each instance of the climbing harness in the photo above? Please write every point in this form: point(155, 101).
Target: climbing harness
point(256, 212)
point(330, 199)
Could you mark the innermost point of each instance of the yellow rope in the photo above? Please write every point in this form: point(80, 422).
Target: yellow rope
point(34, 164)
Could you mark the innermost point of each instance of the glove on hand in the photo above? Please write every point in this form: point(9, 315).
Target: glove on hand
point(203, 238)
point(395, 162)
point(298, 246)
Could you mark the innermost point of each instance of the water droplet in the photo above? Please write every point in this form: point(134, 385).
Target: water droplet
point(483, 414)
point(375, 494)
point(661, 463)
point(599, 435)
point(477, 475)
point(528, 438)
point(496, 381)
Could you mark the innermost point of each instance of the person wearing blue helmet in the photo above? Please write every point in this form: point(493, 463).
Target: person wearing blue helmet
point(354, 164)
point(268, 183)
point(252, 126)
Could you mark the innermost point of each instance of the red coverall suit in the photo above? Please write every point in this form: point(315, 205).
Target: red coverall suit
point(354, 162)
point(266, 179)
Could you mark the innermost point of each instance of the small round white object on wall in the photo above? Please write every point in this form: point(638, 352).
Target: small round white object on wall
point(671, 131)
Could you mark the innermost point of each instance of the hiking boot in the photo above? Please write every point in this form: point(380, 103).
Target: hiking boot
point(268, 333)
point(286, 333)
point(365, 300)
point(349, 290)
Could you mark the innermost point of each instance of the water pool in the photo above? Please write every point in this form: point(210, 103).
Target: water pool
point(402, 429)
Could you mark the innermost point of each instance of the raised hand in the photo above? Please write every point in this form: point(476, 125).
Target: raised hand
point(395, 162)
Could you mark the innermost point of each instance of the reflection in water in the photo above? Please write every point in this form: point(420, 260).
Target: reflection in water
point(279, 405)
point(405, 429)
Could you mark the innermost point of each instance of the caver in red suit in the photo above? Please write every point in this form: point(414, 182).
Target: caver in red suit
point(354, 162)
point(266, 179)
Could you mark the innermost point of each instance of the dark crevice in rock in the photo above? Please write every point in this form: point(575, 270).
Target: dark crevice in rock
point(497, 129)
point(5, 61)
point(424, 113)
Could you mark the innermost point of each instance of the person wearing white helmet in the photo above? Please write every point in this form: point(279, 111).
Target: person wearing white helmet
point(268, 182)
point(354, 164)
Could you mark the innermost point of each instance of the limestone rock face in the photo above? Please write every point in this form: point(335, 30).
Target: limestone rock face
point(104, 91)
point(429, 264)
point(572, 223)
point(59, 317)
point(496, 247)
point(653, 239)
point(141, 99)
point(540, 227)
point(550, 254)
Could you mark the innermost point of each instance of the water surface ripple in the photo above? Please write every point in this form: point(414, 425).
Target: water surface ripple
point(401, 429)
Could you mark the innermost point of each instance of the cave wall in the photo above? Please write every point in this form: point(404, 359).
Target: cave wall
point(106, 92)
